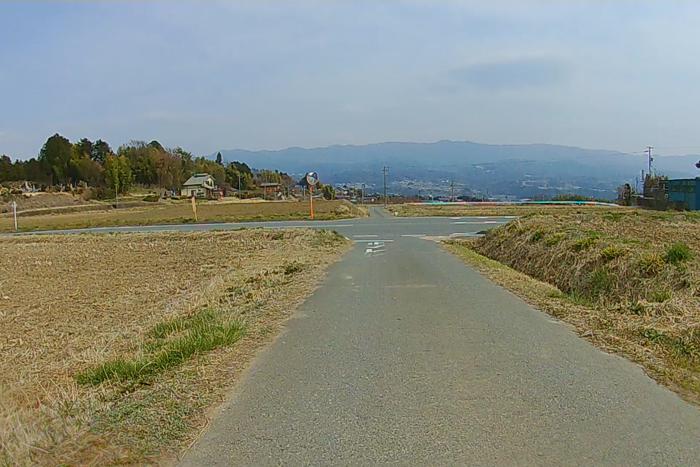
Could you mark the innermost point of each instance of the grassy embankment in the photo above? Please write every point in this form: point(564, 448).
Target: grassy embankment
point(629, 281)
point(181, 212)
point(112, 347)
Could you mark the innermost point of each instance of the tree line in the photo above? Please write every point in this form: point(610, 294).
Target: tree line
point(61, 163)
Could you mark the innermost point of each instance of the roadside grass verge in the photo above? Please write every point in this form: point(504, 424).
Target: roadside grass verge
point(630, 283)
point(122, 368)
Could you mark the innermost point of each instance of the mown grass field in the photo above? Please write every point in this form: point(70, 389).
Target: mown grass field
point(427, 210)
point(628, 280)
point(181, 212)
point(112, 347)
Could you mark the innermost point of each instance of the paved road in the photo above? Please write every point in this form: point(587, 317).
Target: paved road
point(379, 222)
point(405, 356)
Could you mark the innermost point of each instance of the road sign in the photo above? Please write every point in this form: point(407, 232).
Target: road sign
point(312, 178)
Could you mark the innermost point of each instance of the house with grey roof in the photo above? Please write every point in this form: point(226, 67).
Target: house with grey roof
point(200, 185)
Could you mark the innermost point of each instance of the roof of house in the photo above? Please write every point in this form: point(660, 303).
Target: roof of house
point(197, 179)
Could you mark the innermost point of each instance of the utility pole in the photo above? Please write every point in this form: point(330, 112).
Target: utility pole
point(452, 190)
point(651, 159)
point(362, 193)
point(385, 171)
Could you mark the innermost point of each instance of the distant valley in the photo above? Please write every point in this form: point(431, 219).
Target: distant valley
point(532, 170)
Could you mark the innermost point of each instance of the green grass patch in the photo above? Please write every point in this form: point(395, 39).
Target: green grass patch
point(585, 242)
point(601, 281)
point(173, 342)
point(678, 253)
point(660, 296)
point(613, 216)
point(637, 308)
point(537, 235)
point(554, 239)
point(683, 348)
point(611, 252)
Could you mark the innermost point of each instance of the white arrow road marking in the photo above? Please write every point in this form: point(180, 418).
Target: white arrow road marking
point(375, 248)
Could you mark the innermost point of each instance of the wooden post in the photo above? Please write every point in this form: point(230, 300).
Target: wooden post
point(14, 212)
point(194, 206)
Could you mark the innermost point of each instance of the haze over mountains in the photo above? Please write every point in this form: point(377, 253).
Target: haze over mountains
point(476, 169)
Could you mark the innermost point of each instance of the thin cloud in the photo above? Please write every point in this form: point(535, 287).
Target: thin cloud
point(513, 74)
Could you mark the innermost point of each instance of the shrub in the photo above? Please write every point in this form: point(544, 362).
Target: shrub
point(555, 238)
point(601, 281)
point(537, 235)
point(611, 252)
point(293, 268)
point(678, 253)
point(151, 197)
point(651, 264)
point(583, 243)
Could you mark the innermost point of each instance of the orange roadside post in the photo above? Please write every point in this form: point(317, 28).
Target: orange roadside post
point(311, 200)
point(311, 179)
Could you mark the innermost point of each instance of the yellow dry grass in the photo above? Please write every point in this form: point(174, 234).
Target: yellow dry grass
point(68, 303)
point(426, 210)
point(181, 212)
point(629, 280)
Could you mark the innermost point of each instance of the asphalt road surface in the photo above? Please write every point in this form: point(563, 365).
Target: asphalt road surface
point(406, 356)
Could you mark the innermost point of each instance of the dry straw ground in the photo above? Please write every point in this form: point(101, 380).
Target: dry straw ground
point(181, 212)
point(427, 210)
point(71, 305)
point(629, 280)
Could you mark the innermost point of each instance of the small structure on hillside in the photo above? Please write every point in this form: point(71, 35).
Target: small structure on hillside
point(684, 193)
point(270, 189)
point(200, 185)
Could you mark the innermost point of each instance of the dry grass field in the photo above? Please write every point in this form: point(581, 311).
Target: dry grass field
point(181, 212)
point(112, 347)
point(628, 280)
point(427, 210)
point(44, 201)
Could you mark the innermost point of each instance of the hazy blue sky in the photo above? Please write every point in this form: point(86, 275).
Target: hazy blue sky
point(209, 75)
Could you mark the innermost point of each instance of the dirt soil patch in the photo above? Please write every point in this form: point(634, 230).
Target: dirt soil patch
point(71, 305)
point(181, 213)
point(628, 280)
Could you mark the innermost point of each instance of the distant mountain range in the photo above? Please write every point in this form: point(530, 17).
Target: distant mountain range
point(477, 169)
